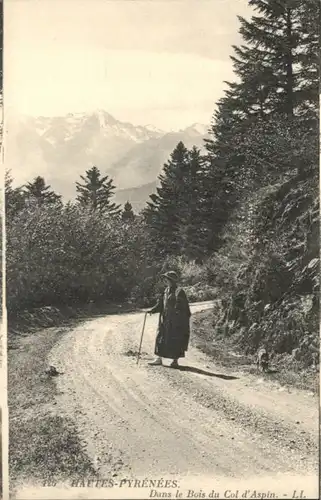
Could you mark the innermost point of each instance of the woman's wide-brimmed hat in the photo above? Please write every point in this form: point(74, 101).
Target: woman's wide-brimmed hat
point(171, 275)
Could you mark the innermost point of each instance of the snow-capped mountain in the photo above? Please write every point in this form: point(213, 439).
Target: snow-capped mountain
point(197, 129)
point(62, 148)
point(67, 127)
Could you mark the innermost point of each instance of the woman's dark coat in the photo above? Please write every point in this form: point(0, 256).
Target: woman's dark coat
point(173, 327)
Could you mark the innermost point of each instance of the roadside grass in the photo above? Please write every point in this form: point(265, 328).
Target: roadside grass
point(43, 445)
point(226, 353)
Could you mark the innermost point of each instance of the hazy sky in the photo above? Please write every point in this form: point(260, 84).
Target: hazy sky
point(147, 62)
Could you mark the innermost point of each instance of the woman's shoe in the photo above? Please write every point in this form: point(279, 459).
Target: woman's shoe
point(156, 362)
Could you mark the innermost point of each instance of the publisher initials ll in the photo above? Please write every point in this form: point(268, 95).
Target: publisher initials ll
point(298, 495)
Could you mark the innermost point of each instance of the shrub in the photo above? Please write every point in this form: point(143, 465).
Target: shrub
point(69, 255)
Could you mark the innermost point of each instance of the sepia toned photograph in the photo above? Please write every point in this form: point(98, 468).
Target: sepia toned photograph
point(162, 248)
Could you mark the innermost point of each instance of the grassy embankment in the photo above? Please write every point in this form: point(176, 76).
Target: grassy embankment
point(43, 444)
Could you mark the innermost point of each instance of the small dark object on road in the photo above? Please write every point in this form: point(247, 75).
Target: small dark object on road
point(130, 352)
point(133, 354)
point(262, 360)
point(52, 371)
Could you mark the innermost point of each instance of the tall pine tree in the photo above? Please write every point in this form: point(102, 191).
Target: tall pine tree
point(174, 214)
point(274, 98)
point(39, 193)
point(96, 192)
point(162, 214)
point(278, 64)
point(192, 230)
point(14, 197)
point(127, 213)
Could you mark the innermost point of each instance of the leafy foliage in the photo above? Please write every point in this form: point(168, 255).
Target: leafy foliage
point(57, 256)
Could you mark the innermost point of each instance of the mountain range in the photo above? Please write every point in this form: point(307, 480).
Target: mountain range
point(62, 148)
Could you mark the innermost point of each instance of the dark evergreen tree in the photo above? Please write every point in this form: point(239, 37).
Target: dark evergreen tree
point(278, 65)
point(175, 214)
point(14, 197)
point(96, 192)
point(309, 57)
point(39, 193)
point(274, 98)
point(127, 213)
point(163, 212)
point(192, 230)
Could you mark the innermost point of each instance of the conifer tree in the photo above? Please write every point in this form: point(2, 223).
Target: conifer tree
point(193, 212)
point(96, 192)
point(39, 193)
point(162, 214)
point(175, 214)
point(14, 197)
point(127, 213)
point(277, 86)
point(279, 63)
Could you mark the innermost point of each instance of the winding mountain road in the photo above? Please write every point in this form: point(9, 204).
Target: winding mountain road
point(197, 422)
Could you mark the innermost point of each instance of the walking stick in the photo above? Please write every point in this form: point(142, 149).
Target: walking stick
point(141, 338)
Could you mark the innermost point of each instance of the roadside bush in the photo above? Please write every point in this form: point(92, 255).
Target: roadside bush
point(193, 277)
point(69, 255)
point(189, 272)
point(201, 292)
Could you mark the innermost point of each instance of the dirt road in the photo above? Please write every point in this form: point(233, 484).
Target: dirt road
point(200, 421)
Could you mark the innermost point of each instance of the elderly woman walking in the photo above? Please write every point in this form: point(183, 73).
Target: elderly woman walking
point(173, 326)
